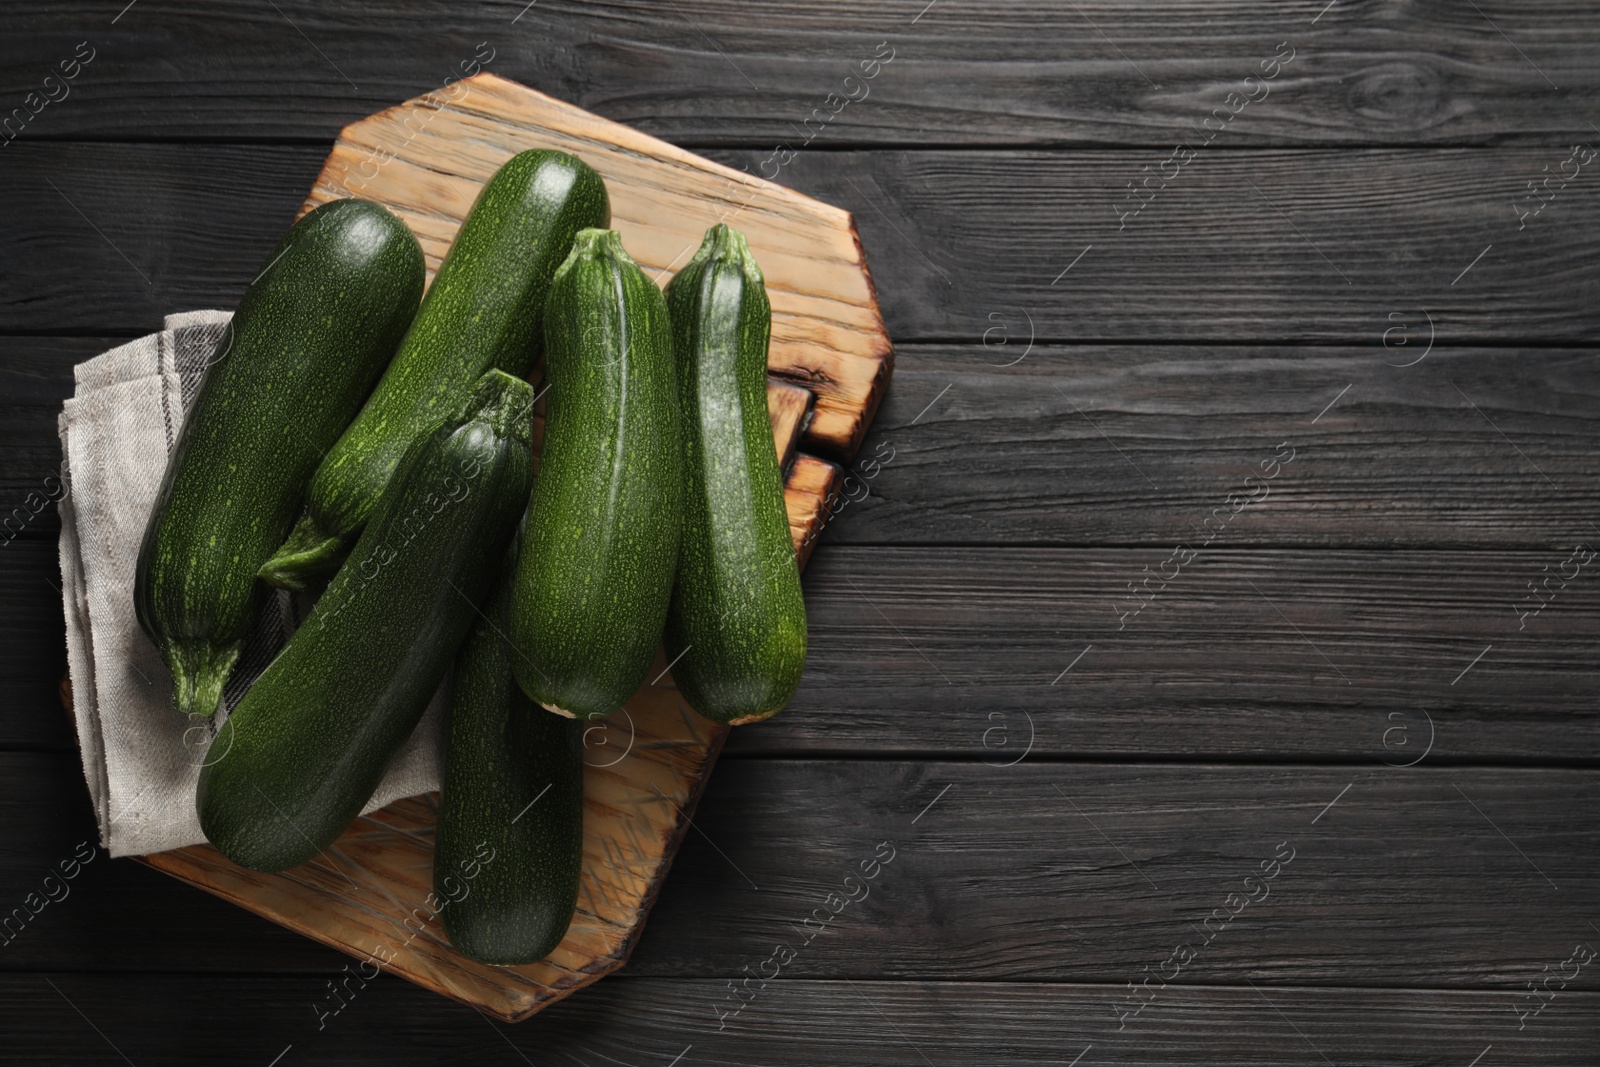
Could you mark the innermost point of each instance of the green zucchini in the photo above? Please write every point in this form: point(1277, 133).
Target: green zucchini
point(509, 845)
point(311, 335)
point(736, 629)
point(484, 311)
point(596, 570)
point(308, 744)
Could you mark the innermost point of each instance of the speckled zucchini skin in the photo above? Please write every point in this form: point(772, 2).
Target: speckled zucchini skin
point(737, 624)
point(509, 846)
point(308, 744)
point(485, 309)
point(596, 570)
point(311, 335)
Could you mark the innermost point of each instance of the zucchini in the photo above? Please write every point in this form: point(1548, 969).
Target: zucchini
point(596, 570)
point(483, 311)
point(509, 846)
point(308, 744)
point(736, 628)
point(311, 335)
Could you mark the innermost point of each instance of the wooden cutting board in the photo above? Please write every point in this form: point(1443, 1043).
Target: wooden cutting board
point(829, 365)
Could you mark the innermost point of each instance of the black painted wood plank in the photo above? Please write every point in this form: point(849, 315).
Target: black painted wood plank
point(1444, 877)
point(1466, 877)
point(100, 913)
point(1269, 246)
point(1137, 444)
point(111, 238)
point(713, 71)
point(69, 1019)
point(35, 379)
point(1120, 445)
point(33, 647)
point(1240, 654)
point(1022, 898)
point(1257, 655)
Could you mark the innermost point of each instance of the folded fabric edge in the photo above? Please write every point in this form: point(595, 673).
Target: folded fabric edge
point(179, 320)
point(80, 656)
point(126, 362)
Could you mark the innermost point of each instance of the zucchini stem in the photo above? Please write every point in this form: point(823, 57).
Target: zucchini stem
point(199, 671)
point(307, 557)
point(502, 400)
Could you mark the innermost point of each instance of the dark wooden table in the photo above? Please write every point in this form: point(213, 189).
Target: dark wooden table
point(1184, 658)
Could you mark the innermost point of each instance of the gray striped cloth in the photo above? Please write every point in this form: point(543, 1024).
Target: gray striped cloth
point(140, 757)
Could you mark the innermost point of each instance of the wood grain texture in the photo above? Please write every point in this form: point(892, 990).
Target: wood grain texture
point(1210, 670)
point(33, 649)
point(819, 1023)
point(811, 494)
point(956, 237)
point(1269, 246)
point(1401, 883)
point(992, 151)
point(426, 159)
point(1048, 450)
point(1137, 444)
point(824, 1024)
point(789, 408)
point(1245, 654)
point(1091, 872)
point(712, 72)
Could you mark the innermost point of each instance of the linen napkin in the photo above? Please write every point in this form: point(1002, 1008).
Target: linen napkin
point(141, 758)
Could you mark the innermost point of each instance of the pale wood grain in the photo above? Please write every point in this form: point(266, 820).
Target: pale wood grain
point(811, 493)
point(789, 407)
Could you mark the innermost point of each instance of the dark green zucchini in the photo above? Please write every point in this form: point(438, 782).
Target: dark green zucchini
point(602, 544)
point(736, 629)
point(484, 310)
point(509, 846)
point(311, 335)
point(308, 744)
